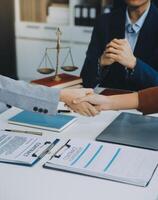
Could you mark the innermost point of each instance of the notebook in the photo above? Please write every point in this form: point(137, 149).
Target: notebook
point(105, 160)
point(23, 149)
point(133, 130)
point(67, 80)
point(52, 123)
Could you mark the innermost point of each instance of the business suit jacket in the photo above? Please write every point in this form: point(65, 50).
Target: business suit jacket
point(110, 26)
point(28, 97)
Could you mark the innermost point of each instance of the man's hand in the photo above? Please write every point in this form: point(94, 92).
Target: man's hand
point(84, 108)
point(100, 102)
point(105, 60)
point(114, 102)
point(68, 95)
point(94, 99)
point(120, 51)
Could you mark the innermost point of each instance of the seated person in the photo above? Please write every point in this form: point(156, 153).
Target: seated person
point(144, 100)
point(123, 52)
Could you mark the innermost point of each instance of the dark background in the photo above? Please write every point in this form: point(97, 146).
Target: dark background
point(7, 40)
point(118, 3)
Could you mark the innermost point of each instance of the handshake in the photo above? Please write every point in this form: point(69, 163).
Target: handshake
point(85, 101)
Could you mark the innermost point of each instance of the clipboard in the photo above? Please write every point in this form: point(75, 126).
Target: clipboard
point(23, 149)
point(105, 160)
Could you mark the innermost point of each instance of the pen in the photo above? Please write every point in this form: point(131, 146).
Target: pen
point(27, 132)
point(64, 111)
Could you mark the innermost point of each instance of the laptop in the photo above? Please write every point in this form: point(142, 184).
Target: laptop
point(132, 130)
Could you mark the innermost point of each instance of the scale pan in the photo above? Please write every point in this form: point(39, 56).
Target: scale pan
point(45, 70)
point(69, 68)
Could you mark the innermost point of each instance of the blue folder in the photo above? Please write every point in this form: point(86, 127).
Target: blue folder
point(54, 123)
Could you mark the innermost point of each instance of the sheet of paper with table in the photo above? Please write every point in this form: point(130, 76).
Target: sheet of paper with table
point(104, 160)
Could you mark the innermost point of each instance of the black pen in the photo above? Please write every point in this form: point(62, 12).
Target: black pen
point(21, 131)
point(63, 111)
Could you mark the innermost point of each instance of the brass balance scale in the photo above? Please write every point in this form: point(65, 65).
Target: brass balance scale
point(46, 64)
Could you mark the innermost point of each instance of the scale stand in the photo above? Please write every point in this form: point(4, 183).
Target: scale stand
point(47, 60)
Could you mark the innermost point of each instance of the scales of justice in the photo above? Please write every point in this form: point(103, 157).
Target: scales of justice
point(46, 64)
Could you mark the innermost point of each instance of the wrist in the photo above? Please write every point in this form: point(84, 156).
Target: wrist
point(100, 63)
point(62, 96)
point(108, 103)
point(66, 96)
point(112, 103)
point(124, 101)
point(133, 63)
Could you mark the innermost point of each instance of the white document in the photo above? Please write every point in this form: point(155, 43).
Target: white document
point(23, 149)
point(105, 160)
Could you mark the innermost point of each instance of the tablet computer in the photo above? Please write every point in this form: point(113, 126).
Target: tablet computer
point(132, 130)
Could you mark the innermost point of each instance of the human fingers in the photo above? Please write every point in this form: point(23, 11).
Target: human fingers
point(105, 60)
point(87, 98)
point(76, 92)
point(81, 108)
point(92, 110)
point(86, 109)
point(119, 41)
point(95, 99)
point(81, 92)
point(98, 108)
point(89, 91)
point(114, 45)
point(77, 109)
point(112, 50)
point(115, 57)
point(114, 41)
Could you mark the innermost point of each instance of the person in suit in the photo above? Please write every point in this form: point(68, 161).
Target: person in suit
point(42, 99)
point(123, 52)
point(144, 101)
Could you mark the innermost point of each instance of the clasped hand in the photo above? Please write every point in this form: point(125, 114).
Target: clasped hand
point(100, 102)
point(68, 96)
point(84, 101)
point(118, 50)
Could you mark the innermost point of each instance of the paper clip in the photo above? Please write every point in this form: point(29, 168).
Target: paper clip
point(59, 153)
point(45, 148)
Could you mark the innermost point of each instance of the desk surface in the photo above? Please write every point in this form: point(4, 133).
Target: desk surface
point(37, 183)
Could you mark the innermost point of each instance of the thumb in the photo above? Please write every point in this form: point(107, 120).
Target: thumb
point(89, 91)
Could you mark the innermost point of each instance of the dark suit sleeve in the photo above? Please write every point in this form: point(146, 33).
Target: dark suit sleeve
point(90, 68)
point(148, 100)
point(145, 75)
